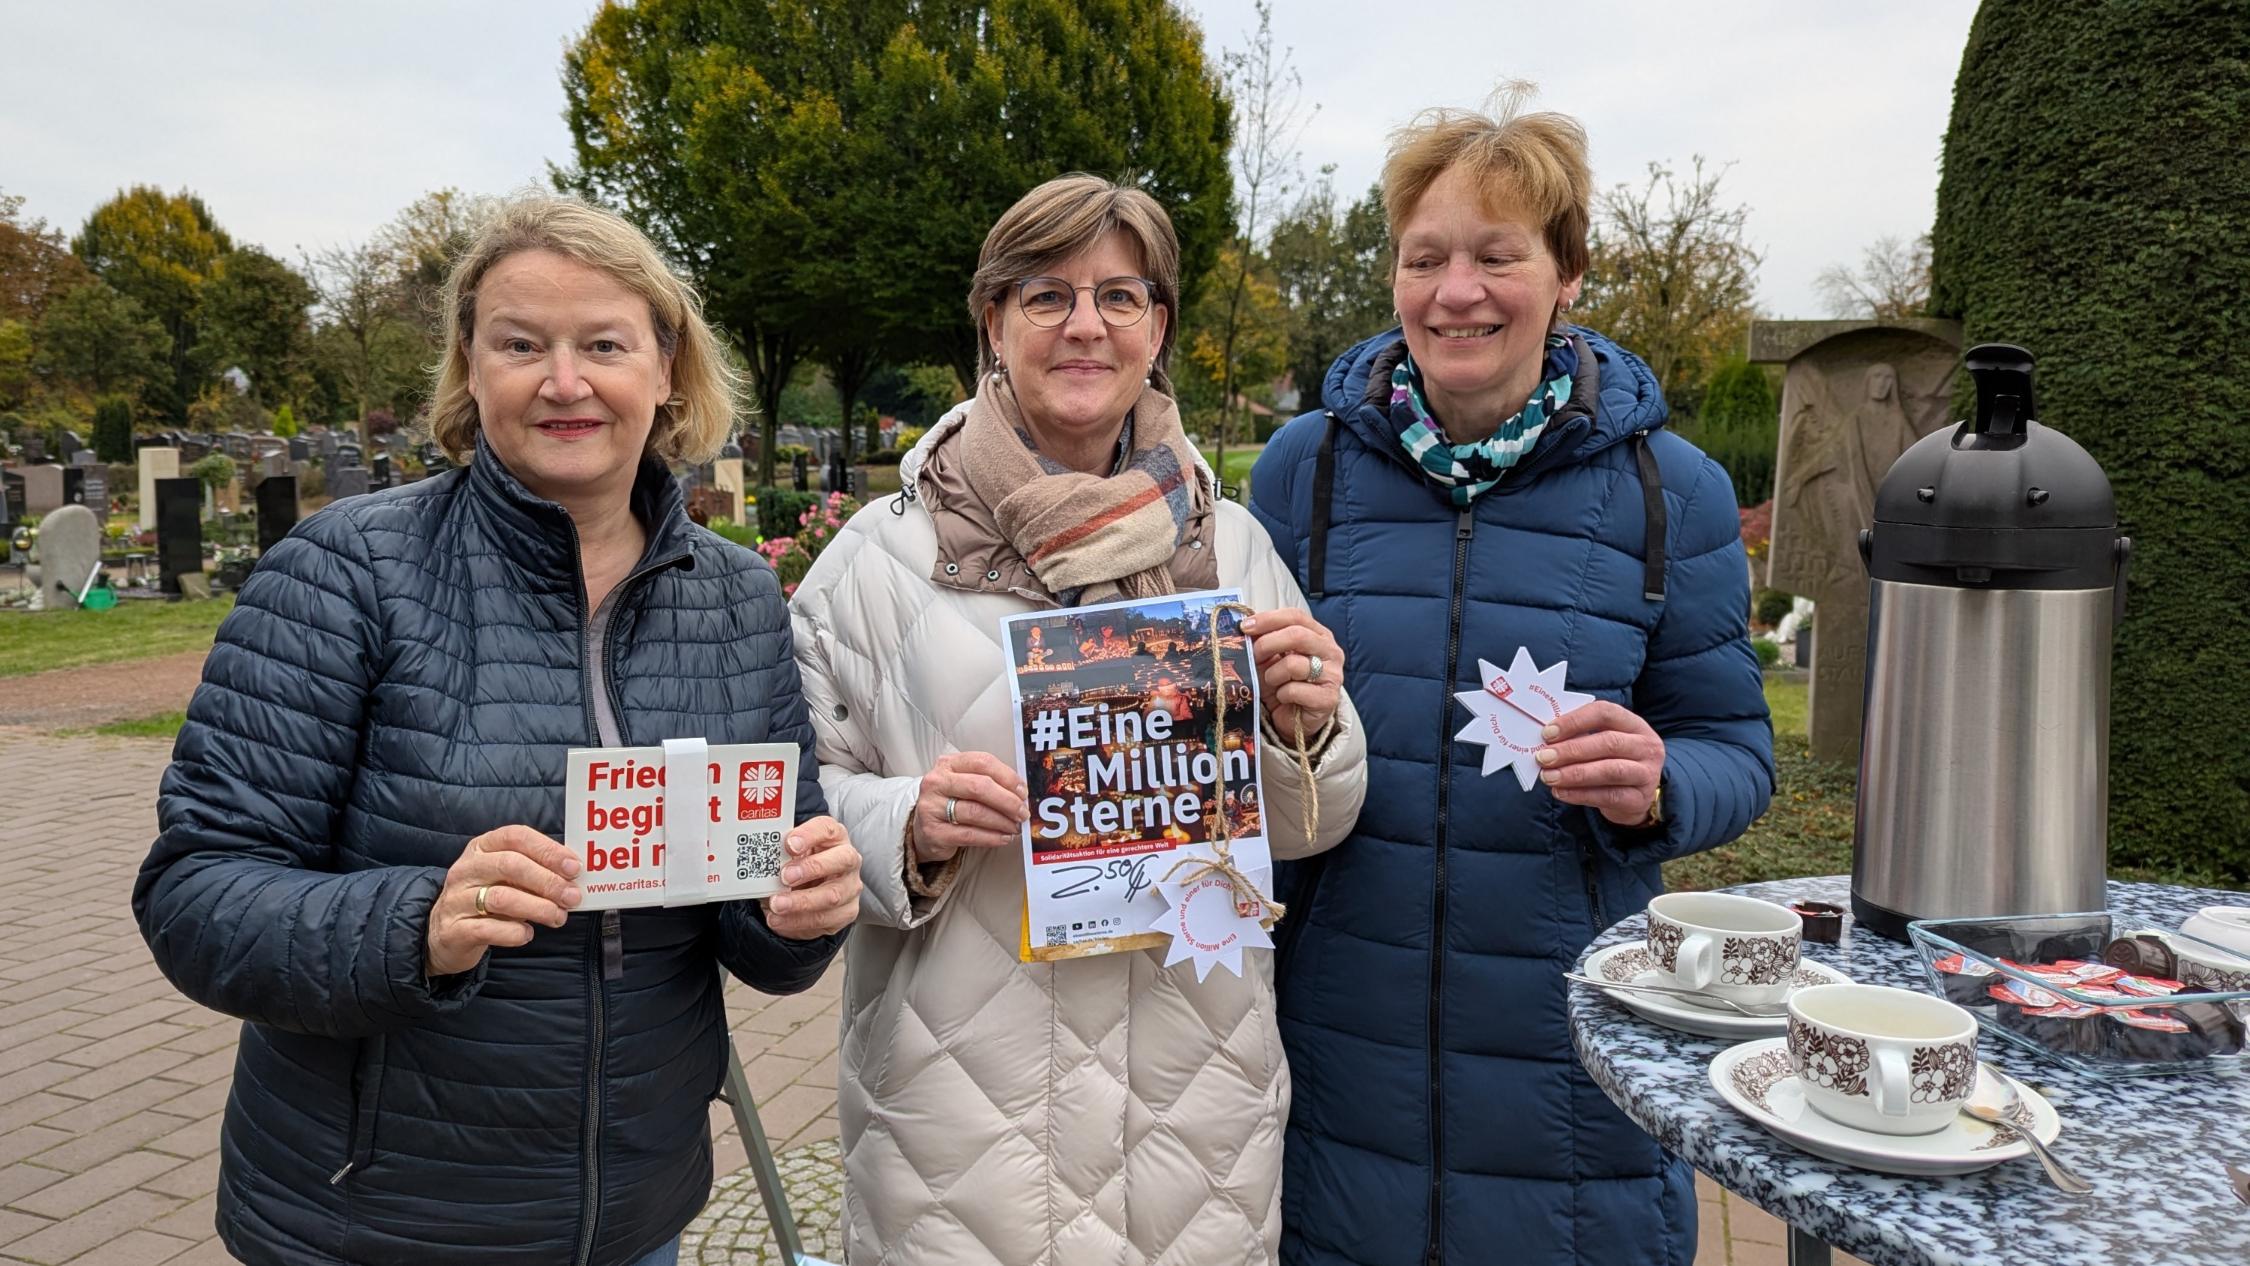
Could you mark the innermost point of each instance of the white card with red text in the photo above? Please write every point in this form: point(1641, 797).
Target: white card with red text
point(740, 800)
point(1515, 704)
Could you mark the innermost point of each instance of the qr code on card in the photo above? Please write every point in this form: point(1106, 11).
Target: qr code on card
point(1057, 934)
point(757, 854)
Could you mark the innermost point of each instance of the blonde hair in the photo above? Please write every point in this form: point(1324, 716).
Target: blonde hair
point(1060, 219)
point(1533, 163)
point(691, 425)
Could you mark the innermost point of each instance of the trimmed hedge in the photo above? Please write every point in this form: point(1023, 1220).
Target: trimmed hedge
point(1740, 428)
point(2092, 209)
point(780, 508)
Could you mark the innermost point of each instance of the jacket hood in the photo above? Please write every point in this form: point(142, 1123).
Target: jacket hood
point(1617, 400)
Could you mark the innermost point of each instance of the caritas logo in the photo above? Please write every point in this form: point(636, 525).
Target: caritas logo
point(759, 791)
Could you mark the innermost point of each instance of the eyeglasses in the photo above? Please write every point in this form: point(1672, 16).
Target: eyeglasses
point(1049, 301)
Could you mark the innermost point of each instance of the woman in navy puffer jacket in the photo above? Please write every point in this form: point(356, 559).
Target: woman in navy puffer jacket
point(442, 1063)
point(1485, 478)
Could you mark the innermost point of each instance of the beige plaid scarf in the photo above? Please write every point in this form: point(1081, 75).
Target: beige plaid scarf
point(1088, 538)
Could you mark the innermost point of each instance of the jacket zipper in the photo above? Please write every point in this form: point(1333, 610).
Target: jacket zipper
point(1465, 525)
point(610, 942)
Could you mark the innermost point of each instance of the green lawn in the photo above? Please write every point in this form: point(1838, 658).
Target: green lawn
point(1240, 458)
point(162, 725)
point(35, 641)
point(1807, 831)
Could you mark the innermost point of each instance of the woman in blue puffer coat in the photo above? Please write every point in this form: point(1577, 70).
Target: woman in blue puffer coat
point(1484, 478)
point(442, 1062)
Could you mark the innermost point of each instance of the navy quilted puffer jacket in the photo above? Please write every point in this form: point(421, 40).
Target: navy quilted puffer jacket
point(404, 672)
point(1440, 1116)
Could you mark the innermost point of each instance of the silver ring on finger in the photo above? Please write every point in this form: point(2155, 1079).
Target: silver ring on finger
point(1313, 674)
point(951, 804)
point(484, 911)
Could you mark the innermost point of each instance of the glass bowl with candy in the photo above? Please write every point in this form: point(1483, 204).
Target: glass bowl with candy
point(2101, 998)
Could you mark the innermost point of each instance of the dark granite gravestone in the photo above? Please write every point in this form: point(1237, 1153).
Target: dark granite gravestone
point(277, 509)
point(299, 450)
point(11, 498)
point(69, 446)
point(194, 448)
point(74, 485)
point(34, 449)
point(179, 531)
point(346, 455)
point(347, 481)
point(798, 472)
point(379, 473)
point(325, 445)
point(235, 444)
point(94, 486)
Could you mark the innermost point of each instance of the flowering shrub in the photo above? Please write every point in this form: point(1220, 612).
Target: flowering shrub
point(1757, 529)
point(792, 556)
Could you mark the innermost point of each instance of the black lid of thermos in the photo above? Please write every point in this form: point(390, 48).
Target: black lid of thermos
point(1999, 501)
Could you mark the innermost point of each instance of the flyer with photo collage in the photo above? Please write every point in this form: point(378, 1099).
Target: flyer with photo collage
point(1117, 741)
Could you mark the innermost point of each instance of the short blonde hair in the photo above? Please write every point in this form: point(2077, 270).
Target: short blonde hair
point(1060, 219)
point(1532, 163)
point(691, 425)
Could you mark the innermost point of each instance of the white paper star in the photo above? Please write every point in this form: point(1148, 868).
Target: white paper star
point(1514, 706)
point(1201, 919)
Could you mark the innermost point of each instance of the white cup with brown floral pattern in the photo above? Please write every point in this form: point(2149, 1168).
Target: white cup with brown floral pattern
point(1738, 948)
point(1889, 1061)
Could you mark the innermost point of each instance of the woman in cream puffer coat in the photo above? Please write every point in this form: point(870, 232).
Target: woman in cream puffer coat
point(1092, 1110)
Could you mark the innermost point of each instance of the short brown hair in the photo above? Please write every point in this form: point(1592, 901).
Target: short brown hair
point(1062, 218)
point(1535, 163)
point(691, 425)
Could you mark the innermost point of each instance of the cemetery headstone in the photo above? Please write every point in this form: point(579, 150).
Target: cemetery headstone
point(70, 548)
point(400, 444)
point(299, 450)
point(346, 455)
point(379, 474)
point(726, 476)
point(179, 531)
point(326, 445)
point(34, 449)
point(1855, 396)
point(74, 485)
point(235, 444)
point(347, 481)
point(156, 463)
point(94, 486)
point(798, 472)
point(11, 498)
point(42, 490)
point(69, 446)
point(277, 509)
point(194, 448)
point(84, 457)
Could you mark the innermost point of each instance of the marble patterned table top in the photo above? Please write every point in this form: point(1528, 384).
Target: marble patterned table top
point(2152, 1146)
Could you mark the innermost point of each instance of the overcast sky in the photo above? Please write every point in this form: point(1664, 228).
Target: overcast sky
point(306, 125)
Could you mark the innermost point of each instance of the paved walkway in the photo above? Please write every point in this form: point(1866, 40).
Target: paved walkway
point(111, 1084)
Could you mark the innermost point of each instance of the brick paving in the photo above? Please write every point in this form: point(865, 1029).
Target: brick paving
point(112, 1084)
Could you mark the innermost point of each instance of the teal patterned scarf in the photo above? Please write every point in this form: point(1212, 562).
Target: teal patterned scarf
point(1467, 470)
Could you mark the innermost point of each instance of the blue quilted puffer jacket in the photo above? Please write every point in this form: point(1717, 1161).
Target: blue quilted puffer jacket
point(1440, 1116)
point(406, 671)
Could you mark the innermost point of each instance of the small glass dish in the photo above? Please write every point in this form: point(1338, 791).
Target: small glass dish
point(2096, 1018)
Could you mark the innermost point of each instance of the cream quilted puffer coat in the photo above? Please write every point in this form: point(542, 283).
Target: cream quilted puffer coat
point(1091, 1112)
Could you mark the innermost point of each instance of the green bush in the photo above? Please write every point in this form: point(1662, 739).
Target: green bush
point(739, 533)
point(1768, 651)
point(1740, 427)
point(1769, 605)
point(909, 436)
point(285, 422)
point(2091, 211)
point(215, 470)
point(780, 508)
point(113, 429)
point(881, 457)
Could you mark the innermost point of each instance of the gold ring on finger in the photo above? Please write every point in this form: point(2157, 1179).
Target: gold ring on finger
point(484, 911)
point(1313, 674)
